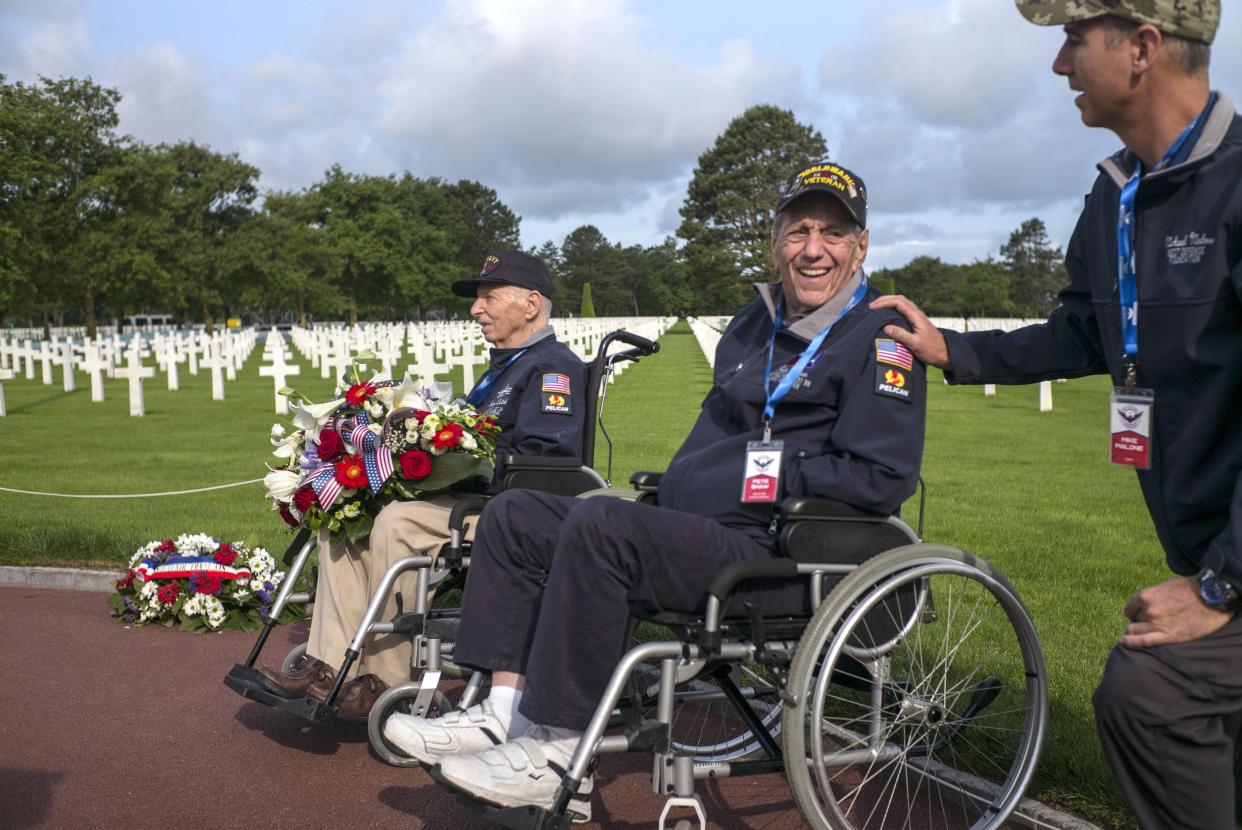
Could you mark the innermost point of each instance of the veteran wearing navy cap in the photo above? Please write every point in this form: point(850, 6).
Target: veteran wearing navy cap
point(804, 368)
point(532, 388)
point(1155, 301)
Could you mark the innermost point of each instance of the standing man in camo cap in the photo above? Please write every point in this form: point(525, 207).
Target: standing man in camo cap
point(1162, 233)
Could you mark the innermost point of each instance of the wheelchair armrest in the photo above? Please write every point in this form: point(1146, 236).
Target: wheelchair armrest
point(810, 508)
point(513, 461)
point(726, 580)
point(646, 480)
point(467, 505)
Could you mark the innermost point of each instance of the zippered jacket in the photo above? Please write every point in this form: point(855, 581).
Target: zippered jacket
point(1188, 258)
point(852, 423)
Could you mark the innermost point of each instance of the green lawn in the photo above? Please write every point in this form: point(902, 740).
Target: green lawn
point(1030, 492)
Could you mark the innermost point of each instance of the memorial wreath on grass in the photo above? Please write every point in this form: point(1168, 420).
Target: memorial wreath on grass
point(377, 441)
point(200, 582)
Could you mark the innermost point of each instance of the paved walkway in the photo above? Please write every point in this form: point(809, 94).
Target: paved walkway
point(106, 725)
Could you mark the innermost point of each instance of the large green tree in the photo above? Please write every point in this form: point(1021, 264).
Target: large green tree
point(1036, 269)
point(727, 214)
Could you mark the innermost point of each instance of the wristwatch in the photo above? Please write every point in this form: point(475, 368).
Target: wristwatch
point(1216, 592)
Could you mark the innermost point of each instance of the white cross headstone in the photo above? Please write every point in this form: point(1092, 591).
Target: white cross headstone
point(28, 354)
point(169, 356)
point(67, 360)
point(278, 371)
point(215, 362)
point(135, 372)
point(1045, 396)
point(93, 365)
point(45, 358)
point(228, 348)
point(5, 374)
point(989, 389)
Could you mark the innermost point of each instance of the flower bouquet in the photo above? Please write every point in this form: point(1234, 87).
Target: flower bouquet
point(377, 441)
point(200, 582)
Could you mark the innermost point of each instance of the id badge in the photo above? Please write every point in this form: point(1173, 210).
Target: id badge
point(1130, 412)
point(762, 480)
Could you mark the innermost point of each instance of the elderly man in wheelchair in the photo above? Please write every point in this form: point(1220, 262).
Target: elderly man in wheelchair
point(809, 399)
point(512, 304)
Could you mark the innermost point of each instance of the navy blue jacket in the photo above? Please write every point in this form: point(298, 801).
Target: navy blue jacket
point(532, 421)
point(1188, 254)
point(852, 426)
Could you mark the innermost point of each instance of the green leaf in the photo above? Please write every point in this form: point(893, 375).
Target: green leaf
point(450, 468)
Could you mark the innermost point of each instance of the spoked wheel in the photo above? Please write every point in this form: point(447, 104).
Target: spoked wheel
point(921, 697)
point(294, 659)
point(400, 699)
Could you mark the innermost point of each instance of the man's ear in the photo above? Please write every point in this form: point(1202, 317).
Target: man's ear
point(1146, 41)
point(864, 240)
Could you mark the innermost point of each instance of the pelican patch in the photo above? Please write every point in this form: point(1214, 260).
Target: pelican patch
point(558, 403)
point(891, 381)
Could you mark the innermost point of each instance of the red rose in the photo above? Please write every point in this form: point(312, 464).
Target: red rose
point(487, 426)
point(225, 554)
point(359, 392)
point(421, 415)
point(209, 583)
point(168, 593)
point(287, 515)
point(127, 580)
point(415, 465)
point(447, 437)
point(304, 499)
point(166, 546)
point(351, 472)
point(330, 445)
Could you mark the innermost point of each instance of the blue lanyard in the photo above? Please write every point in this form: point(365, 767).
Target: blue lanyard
point(1127, 276)
point(775, 396)
point(479, 392)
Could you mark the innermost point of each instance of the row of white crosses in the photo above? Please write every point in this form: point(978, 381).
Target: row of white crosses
point(222, 354)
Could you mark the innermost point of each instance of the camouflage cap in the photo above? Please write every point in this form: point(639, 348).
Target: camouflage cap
point(1193, 19)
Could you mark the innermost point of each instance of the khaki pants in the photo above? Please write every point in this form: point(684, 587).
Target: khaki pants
point(350, 573)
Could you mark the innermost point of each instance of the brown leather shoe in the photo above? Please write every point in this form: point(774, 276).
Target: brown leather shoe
point(356, 697)
point(296, 682)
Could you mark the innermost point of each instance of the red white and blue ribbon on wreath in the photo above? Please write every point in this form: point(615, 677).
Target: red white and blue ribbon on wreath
point(183, 567)
point(376, 458)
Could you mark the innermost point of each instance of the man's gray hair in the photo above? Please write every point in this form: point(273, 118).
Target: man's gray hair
point(1191, 56)
point(545, 307)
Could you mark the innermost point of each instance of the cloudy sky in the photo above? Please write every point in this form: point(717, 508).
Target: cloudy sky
point(595, 111)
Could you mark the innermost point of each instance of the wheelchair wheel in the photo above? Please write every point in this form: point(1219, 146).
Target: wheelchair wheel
point(918, 697)
point(294, 658)
point(399, 699)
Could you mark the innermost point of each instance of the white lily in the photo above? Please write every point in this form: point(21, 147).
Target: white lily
point(408, 394)
point(281, 484)
point(313, 417)
point(278, 431)
point(288, 447)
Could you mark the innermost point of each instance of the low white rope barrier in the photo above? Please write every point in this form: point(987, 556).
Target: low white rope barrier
point(131, 495)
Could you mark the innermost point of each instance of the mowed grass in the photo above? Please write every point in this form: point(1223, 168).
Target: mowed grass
point(1030, 492)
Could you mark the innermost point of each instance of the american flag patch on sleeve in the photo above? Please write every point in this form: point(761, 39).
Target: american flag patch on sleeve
point(893, 353)
point(556, 383)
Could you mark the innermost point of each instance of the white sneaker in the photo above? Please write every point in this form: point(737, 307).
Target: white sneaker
point(428, 740)
point(524, 772)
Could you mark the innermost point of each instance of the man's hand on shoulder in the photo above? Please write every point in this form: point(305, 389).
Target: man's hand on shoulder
point(1170, 612)
point(924, 339)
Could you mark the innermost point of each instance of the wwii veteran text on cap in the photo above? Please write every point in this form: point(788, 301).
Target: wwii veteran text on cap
point(508, 268)
point(833, 179)
point(1192, 19)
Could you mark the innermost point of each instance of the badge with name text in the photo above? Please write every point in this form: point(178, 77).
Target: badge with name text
point(892, 381)
point(761, 482)
point(1129, 442)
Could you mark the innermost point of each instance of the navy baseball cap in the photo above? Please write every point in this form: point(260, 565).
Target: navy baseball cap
point(833, 179)
point(508, 268)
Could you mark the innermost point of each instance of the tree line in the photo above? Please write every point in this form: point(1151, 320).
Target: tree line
point(95, 226)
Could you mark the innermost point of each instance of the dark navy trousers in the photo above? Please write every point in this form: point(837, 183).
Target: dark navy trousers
point(552, 580)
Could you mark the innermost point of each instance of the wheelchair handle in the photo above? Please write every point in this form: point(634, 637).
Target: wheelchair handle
point(644, 346)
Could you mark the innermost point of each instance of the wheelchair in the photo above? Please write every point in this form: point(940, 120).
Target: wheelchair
point(913, 695)
point(431, 628)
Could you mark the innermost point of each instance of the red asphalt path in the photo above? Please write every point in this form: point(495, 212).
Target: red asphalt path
point(107, 725)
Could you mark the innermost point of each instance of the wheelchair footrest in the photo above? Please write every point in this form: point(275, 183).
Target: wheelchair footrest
point(248, 683)
point(525, 818)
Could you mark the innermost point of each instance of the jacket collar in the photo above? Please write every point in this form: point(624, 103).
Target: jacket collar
point(499, 356)
point(809, 325)
point(1120, 166)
